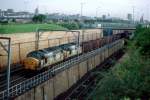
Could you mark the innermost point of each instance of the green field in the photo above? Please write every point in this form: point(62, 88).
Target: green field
point(22, 28)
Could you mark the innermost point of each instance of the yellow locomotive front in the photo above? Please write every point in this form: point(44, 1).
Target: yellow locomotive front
point(31, 63)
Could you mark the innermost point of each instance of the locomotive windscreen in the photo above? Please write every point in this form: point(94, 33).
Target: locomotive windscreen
point(36, 54)
point(40, 54)
point(69, 46)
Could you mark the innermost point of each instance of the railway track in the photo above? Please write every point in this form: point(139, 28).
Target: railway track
point(14, 79)
point(19, 75)
point(14, 68)
point(87, 84)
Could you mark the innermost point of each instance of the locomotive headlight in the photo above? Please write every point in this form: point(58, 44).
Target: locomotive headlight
point(31, 63)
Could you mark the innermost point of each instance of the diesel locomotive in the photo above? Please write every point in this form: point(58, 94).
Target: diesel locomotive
point(37, 60)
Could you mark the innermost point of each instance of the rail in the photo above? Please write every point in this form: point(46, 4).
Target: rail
point(26, 85)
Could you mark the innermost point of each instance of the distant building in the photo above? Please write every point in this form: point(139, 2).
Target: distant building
point(103, 17)
point(10, 14)
point(36, 11)
point(142, 19)
point(0, 12)
point(129, 17)
point(10, 11)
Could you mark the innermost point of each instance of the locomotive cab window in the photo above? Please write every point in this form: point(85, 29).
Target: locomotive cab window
point(46, 60)
point(42, 63)
point(70, 51)
point(54, 56)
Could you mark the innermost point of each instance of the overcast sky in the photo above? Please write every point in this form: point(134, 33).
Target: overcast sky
point(115, 8)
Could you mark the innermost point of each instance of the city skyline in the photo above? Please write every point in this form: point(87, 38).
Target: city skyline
point(116, 8)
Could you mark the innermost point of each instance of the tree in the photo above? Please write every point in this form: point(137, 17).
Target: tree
point(13, 20)
point(39, 18)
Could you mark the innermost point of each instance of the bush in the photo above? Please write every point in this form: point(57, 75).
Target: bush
point(39, 18)
point(69, 25)
point(3, 22)
point(143, 40)
point(129, 79)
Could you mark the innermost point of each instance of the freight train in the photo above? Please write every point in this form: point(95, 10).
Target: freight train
point(37, 60)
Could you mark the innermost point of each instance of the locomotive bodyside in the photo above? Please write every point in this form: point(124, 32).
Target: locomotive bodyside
point(43, 58)
point(40, 59)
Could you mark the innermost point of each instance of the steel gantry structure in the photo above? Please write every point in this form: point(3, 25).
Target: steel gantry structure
point(7, 49)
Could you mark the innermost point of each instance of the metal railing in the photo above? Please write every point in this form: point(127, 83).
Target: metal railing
point(26, 85)
point(117, 25)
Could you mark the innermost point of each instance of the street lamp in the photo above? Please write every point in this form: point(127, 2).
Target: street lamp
point(82, 4)
point(133, 13)
point(97, 11)
point(97, 16)
point(81, 19)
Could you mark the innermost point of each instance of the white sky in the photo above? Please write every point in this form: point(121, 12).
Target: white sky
point(116, 8)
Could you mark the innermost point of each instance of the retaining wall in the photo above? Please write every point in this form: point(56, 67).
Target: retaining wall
point(65, 79)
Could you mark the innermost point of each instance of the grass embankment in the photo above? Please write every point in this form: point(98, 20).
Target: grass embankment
point(23, 28)
point(129, 80)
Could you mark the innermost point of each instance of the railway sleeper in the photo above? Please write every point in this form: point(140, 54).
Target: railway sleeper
point(81, 88)
point(74, 95)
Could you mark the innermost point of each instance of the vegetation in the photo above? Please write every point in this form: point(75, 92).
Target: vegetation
point(39, 18)
point(21, 28)
point(143, 40)
point(4, 22)
point(129, 80)
point(69, 25)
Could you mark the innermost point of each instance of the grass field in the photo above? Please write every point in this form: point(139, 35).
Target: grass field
point(22, 28)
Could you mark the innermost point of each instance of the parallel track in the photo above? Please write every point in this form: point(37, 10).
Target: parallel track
point(87, 84)
point(20, 75)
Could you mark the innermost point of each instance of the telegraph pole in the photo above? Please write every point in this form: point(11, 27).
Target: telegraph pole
point(133, 14)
